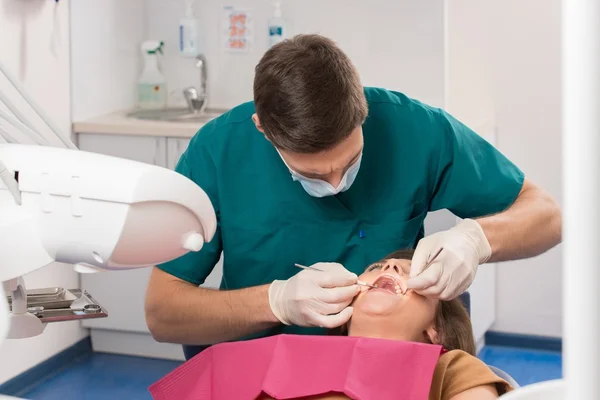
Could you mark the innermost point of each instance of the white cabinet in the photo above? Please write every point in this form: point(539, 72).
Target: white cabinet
point(146, 149)
point(175, 148)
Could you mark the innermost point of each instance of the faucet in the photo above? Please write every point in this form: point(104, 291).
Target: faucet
point(197, 100)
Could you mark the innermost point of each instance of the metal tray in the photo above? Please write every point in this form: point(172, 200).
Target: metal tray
point(73, 311)
point(55, 297)
point(58, 304)
point(46, 292)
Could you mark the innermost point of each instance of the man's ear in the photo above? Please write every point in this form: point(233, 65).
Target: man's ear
point(257, 123)
point(432, 334)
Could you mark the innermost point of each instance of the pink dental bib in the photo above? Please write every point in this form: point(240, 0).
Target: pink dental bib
point(292, 366)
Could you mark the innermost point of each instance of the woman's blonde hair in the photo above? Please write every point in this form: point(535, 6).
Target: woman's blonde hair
point(452, 322)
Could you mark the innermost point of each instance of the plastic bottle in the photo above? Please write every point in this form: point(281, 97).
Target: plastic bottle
point(276, 25)
point(189, 31)
point(152, 87)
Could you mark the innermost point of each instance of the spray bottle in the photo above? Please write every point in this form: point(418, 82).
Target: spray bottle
point(189, 31)
point(276, 25)
point(152, 87)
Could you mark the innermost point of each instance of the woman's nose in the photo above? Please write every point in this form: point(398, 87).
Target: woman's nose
point(391, 267)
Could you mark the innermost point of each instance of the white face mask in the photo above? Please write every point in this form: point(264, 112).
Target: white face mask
point(321, 188)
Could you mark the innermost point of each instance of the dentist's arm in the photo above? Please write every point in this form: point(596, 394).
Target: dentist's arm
point(532, 225)
point(180, 312)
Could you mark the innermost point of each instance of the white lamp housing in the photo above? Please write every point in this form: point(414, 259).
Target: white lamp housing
point(96, 211)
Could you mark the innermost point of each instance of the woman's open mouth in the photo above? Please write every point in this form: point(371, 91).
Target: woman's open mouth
point(389, 283)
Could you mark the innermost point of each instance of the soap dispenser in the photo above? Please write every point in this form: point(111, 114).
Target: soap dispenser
point(276, 25)
point(189, 29)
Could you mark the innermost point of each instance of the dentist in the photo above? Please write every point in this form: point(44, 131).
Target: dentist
point(319, 170)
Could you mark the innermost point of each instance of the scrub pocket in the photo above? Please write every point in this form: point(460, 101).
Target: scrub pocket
point(400, 227)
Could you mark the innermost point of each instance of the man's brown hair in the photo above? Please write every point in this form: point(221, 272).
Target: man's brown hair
point(308, 95)
point(452, 322)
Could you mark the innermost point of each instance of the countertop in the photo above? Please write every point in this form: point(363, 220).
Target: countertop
point(119, 124)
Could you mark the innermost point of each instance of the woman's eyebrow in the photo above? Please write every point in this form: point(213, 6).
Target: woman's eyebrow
point(375, 264)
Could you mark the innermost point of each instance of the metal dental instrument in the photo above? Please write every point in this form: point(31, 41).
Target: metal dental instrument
point(359, 283)
point(431, 260)
point(428, 264)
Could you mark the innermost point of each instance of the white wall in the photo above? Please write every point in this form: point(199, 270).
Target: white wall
point(41, 60)
point(365, 30)
point(528, 95)
point(105, 47)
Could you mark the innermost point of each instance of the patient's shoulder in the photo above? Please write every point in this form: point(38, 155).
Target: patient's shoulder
point(458, 359)
point(458, 371)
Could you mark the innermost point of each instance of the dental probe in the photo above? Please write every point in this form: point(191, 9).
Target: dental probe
point(359, 283)
point(431, 260)
point(428, 264)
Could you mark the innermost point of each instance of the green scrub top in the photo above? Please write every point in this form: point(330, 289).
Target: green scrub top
point(416, 159)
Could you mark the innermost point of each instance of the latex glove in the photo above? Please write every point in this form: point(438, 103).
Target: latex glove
point(465, 248)
point(314, 298)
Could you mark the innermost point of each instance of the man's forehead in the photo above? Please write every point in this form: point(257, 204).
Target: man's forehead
point(326, 162)
point(329, 165)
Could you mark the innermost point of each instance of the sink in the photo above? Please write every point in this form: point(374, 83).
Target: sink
point(177, 115)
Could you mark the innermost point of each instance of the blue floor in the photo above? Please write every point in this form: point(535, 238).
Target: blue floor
point(525, 366)
point(104, 376)
point(107, 376)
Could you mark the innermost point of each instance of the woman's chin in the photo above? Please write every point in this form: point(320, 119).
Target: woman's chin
point(378, 301)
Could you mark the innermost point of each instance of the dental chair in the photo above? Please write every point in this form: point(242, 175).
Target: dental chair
point(465, 298)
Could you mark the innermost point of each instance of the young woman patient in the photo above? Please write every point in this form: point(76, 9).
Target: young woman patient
point(386, 313)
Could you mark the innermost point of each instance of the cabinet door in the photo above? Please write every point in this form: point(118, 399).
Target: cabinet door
point(146, 149)
point(122, 293)
point(175, 148)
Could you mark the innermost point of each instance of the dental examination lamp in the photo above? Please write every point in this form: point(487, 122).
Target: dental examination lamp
point(581, 192)
point(96, 212)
